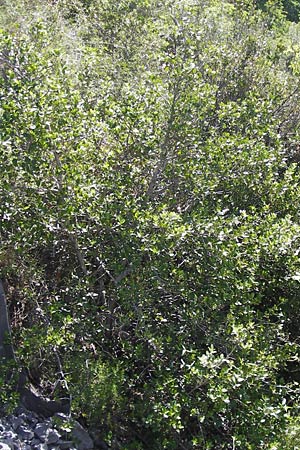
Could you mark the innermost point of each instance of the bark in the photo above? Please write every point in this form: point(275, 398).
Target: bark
point(28, 398)
point(6, 347)
point(40, 405)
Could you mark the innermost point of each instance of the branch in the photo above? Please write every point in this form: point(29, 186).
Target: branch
point(160, 167)
point(6, 347)
point(79, 254)
point(123, 275)
point(117, 280)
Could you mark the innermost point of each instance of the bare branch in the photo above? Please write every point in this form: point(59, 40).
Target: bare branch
point(79, 254)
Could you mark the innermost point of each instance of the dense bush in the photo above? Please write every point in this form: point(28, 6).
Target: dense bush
point(150, 216)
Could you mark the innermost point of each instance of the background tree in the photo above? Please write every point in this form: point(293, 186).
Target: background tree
point(150, 216)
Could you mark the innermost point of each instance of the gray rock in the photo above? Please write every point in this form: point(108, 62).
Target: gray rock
point(24, 416)
point(9, 442)
point(52, 436)
point(35, 442)
point(25, 433)
point(64, 445)
point(4, 446)
point(9, 434)
point(16, 422)
point(18, 446)
point(32, 419)
point(45, 434)
point(32, 415)
point(81, 438)
point(48, 422)
point(41, 431)
point(40, 447)
point(20, 409)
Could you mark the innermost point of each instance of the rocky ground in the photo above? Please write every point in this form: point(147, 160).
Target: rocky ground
point(25, 430)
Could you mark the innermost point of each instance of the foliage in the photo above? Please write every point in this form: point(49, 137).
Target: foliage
point(8, 379)
point(291, 8)
point(150, 216)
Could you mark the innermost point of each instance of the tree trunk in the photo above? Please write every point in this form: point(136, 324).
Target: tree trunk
point(6, 347)
point(28, 398)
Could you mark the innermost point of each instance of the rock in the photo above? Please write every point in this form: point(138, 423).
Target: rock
point(25, 430)
point(81, 438)
point(18, 446)
point(53, 436)
point(40, 447)
point(23, 416)
point(98, 442)
point(19, 410)
point(9, 434)
point(35, 442)
point(41, 406)
point(16, 422)
point(32, 418)
point(8, 442)
point(41, 431)
point(24, 433)
point(4, 446)
point(64, 445)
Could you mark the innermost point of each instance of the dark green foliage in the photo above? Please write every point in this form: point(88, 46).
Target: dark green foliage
point(150, 217)
point(291, 8)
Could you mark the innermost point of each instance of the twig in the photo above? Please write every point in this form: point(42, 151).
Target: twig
point(79, 254)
